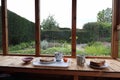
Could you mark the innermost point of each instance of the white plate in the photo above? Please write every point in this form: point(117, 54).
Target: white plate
point(54, 64)
point(102, 67)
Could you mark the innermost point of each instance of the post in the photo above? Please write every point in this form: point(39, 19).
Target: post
point(4, 27)
point(37, 27)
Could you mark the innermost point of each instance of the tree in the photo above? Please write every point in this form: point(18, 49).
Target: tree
point(98, 30)
point(49, 24)
point(105, 15)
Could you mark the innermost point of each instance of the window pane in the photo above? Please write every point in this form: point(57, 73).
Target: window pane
point(0, 30)
point(94, 27)
point(55, 26)
point(21, 26)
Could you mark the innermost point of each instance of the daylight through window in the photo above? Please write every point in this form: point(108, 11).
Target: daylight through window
point(94, 27)
point(21, 26)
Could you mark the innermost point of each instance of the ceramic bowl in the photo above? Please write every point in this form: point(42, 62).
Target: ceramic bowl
point(27, 59)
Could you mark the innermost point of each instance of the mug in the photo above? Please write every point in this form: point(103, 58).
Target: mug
point(58, 56)
point(80, 60)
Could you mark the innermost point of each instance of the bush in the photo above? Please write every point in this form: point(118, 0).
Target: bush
point(44, 44)
point(97, 48)
point(22, 46)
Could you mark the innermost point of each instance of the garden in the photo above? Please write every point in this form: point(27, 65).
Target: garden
point(90, 49)
point(93, 39)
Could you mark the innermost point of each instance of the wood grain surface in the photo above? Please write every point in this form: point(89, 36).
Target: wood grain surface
point(15, 64)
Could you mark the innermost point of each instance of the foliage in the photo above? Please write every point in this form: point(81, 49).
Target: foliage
point(22, 30)
point(98, 31)
point(28, 48)
point(82, 36)
point(97, 48)
point(93, 48)
point(65, 51)
point(105, 15)
point(24, 51)
point(49, 24)
point(65, 29)
point(22, 46)
point(19, 29)
point(44, 44)
point(55, 35)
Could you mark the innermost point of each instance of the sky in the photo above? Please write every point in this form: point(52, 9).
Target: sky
point(61, 10)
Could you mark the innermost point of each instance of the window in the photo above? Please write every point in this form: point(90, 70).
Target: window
point(21, 26)
point(94, 26)
point(55, 26)
point(72, 17)
point(0, 30)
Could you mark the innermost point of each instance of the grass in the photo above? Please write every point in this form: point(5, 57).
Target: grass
point(24, 51)
point(65, 51)
point(95, 49)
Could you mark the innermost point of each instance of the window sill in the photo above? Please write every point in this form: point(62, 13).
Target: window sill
point(15, 64)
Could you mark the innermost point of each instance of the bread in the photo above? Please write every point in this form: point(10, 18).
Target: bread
point(46, 59)
point(97, 63)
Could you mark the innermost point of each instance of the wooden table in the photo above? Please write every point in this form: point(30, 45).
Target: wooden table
point(15, 64)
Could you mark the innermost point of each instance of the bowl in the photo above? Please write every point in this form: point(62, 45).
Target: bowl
point(27, 59)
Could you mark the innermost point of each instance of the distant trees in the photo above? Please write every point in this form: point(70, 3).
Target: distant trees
point(49, 24)
point(19, 29)
point(105, 16)
point(102, 28)
point(22, 30)
point(98, 31)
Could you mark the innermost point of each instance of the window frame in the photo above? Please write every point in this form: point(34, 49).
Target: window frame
point(115, 23)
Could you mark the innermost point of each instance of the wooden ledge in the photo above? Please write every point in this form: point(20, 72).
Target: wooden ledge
point(15, 64)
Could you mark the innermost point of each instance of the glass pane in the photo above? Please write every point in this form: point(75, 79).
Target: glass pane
point(21, 24)
point(55, 26)
point(94, 27)
point(0, 30)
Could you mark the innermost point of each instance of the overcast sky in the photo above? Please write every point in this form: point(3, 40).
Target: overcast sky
point(61, 10)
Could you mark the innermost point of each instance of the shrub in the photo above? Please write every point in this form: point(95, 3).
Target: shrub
point(44, 44)
point(97, 48)
point(22, 46)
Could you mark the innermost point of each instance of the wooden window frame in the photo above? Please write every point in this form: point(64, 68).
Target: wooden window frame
point(115, 23)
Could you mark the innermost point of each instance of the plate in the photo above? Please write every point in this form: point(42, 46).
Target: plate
point(62, 64)
point(102, 67)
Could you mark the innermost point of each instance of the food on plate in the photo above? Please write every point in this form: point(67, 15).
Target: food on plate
point(97, 63)
point(46, 59)
point(65, 59)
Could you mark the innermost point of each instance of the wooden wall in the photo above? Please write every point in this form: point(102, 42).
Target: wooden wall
point(28, 76)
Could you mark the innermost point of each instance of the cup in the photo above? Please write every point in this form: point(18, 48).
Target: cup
point(58, 56)
point(80, 60)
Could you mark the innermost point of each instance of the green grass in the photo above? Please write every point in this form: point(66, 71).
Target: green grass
point(65, 51)
point(24, 51)
point(98, 49)
point(94, 48)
